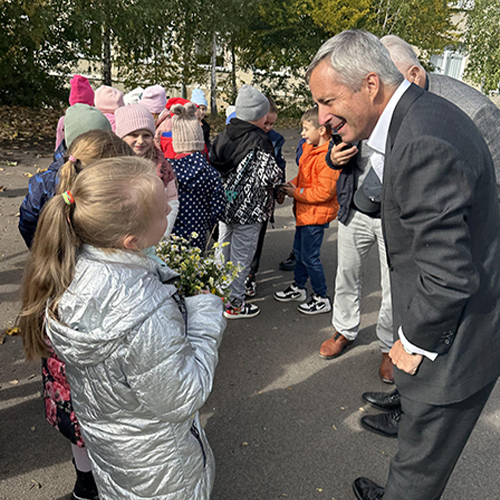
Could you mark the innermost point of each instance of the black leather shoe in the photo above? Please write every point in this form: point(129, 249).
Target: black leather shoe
point(366, 489)
point(386, 401)
point(385, 424)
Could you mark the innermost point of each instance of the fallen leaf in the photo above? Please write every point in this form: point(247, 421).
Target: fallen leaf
point(28, 174)
point(342, 407)
point(334, 427)
point(2, 169)
point(362, 409)
point(244, 443)
point(41, 170)
point(320, 490)
point(33, 429)
point(2, 337)
point(31, 376)
point(14, 382)
point(3, 188)
point(12, 331)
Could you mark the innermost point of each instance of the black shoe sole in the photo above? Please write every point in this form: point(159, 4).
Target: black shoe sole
point(376, 431)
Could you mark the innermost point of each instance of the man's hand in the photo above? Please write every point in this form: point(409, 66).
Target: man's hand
point(340, 155)
point(409, 363)
point(289, 188)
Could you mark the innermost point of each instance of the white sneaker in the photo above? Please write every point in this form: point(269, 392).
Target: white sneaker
point(316, 305)
point(241, 310)
point(293, 292)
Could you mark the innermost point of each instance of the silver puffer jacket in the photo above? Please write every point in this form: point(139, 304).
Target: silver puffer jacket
point(139, 375)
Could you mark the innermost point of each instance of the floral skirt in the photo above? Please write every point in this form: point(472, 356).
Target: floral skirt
point(57, 396)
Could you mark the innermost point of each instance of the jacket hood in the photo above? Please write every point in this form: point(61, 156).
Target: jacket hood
point(111, 294)
point(232, 145)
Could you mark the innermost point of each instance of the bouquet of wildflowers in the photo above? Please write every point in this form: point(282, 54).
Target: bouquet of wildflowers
point(198, 273)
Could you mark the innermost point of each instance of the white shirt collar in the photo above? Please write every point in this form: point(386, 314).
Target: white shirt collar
point(378, 137)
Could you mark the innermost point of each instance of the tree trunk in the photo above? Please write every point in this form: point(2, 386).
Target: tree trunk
point(213, 80)
point(234, 90)
point(106, 57)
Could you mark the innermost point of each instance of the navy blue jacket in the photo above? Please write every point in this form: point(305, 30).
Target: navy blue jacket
point(41, 188)
point(201, 198)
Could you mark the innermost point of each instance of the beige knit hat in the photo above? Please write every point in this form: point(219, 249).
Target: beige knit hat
point(187, 134)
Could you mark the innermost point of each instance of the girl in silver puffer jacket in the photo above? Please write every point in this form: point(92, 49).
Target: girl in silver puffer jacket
point(139, 369)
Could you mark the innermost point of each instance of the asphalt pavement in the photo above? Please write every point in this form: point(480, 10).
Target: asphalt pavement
point(283, 423)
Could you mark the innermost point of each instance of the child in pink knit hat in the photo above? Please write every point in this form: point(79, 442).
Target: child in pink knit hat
point(107, 101)
point(80, 92)
point(136, 126)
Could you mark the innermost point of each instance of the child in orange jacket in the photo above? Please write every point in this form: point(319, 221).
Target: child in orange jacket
point(315, 205)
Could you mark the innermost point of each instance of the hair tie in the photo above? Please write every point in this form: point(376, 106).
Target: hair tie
point(72, 158)
point(68, 198)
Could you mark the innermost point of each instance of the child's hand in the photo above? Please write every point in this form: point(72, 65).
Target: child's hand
point(280, 196)
point(340, 154)
point(289, 188)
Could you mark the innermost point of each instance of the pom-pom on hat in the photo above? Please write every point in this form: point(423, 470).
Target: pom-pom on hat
point(251, 104)
point(154, 99)
point(187, 134)
point(81, 118)
point(132, 118)
point(198, 97)
point(81, 91)
point(108, 99)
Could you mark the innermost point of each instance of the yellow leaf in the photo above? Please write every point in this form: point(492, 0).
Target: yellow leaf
point(27, 174)
point(12, 331)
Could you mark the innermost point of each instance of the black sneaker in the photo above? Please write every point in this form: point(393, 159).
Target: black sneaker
point(250, 287)
point(316, 305)
point(241, 310)
point(288, 264)
point(85, 487)
point(293, 292)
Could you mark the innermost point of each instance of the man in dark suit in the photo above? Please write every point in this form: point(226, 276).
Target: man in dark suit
point(486, 116)
point(441, 224)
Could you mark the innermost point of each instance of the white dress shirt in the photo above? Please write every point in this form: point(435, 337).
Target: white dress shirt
point(377, 142)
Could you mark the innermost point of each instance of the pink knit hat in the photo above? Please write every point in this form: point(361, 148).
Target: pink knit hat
point(154, 99)
point(81, 91)
point(108, 99)
point(132, 118)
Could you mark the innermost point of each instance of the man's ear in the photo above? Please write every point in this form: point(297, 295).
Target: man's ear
point(131, 242)
point(413, 74)
point(372, 84)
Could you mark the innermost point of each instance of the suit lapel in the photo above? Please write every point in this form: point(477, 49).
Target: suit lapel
point(404, 104)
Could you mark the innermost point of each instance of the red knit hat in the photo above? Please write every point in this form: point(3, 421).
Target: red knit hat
point(177, 100)
point(81, 91)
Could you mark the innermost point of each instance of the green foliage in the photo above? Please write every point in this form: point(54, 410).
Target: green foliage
point(483, 40)
point(427, 24)
point(36, 50)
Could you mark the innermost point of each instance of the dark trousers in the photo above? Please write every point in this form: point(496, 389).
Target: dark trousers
point(431, 439)
point(306, 247)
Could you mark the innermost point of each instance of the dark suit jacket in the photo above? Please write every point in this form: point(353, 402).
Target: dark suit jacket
point(442, 227)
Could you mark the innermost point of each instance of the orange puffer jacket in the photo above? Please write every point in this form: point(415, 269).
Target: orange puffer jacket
point(315, 199)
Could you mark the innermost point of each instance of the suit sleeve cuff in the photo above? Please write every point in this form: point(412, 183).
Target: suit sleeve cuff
point(413, 349)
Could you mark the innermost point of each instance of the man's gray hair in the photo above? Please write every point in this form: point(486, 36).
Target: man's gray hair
point(401, 52)
point(352, 55)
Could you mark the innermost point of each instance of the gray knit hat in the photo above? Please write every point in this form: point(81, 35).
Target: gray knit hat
point(187, 134)
point(81, 118)
point(251, 104)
